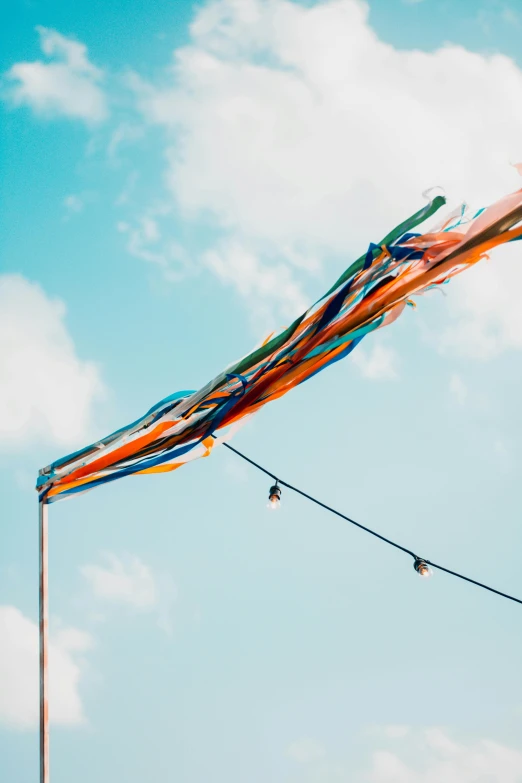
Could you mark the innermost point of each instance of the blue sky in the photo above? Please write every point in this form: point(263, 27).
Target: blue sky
point(178, 180)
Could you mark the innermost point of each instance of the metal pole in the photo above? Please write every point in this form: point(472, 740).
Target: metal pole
point(44, 671)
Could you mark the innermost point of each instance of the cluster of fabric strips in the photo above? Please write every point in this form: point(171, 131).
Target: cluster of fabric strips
point(370, 294)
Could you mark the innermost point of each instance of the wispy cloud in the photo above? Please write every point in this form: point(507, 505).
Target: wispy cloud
point(127, 582)
point(432, 755)
point(149, 241)
point(377, 362)
point(69, 85)
point(270, 290)
point(124, 135)
point(19, 671)
point(484, 308)
point(409, 755)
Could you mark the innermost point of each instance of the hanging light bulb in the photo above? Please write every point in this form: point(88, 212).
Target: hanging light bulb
point(422, 568)
point(274, 497)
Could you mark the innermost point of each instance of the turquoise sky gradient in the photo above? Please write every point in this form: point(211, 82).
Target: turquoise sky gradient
point(289, 648)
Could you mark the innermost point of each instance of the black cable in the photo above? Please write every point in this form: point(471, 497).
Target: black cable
point(366, 529)
point(473, 582)
point(318, 502)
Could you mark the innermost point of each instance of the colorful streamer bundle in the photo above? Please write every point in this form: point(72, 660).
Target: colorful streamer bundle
point(370, 294)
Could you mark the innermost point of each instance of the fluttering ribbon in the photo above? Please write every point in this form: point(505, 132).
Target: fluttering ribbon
point(370, 294)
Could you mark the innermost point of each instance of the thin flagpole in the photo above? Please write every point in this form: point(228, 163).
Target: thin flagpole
point(44, 661)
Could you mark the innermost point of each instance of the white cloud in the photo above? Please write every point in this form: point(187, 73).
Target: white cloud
point(125, 134)
point(45, 390)
point(297, 126)
point(458, 389)
point(421, 756)
point(440, 758)
point(69, 85)
point(127, 581)
point(147, 240)
point(484, 307)
point(269, 290)
point(19, 672)
point(285, 119)
point(305, 751)
point(376, 363)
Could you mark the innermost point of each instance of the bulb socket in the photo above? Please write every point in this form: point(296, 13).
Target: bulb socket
point(274, 494)
point(421, 566)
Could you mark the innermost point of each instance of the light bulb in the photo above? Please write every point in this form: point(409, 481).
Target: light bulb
point(422, 568)
point(274, 497)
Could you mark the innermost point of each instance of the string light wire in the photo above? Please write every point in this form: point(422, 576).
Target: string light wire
point(366, 529)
